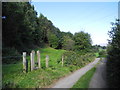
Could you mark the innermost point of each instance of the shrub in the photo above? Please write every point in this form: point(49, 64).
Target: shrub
point(113, 58)
point(113, 68)
point(10, 55)
point(73, 58)
point(102, 53)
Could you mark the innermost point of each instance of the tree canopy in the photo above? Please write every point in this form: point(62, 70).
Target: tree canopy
point(82, 41)
point(113, 63)
point(23, 30)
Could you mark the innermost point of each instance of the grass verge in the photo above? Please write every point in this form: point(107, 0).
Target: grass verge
point(13, 76)
point(97, 54)
point(84, 81)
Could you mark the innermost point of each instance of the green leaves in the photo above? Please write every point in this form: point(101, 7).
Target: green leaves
point(68, 43)
point(53, 40)
point(26, 31)
point(113, 63)
point(73, 58)
point(82, 41)
point(19, 24)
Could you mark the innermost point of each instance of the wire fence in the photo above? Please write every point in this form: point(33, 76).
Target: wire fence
point(4, 57)
point(11, 59)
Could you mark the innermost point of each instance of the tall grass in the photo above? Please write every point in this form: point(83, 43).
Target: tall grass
point(13, 76)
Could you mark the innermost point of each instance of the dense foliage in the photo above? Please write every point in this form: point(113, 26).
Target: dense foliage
point(23, 31)
point(75, 59)
point(68, 43)
point(82, 41)
point(13, 77)
point(113, 63)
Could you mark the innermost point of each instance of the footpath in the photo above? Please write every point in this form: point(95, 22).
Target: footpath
point(99, 78)
point(69, 81)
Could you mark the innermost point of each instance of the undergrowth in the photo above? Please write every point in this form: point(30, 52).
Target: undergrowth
point(13, 76)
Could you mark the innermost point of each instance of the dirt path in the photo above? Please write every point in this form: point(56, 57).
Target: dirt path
point(70, 80)
point(99, 78)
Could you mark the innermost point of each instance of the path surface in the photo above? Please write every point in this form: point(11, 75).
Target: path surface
point(99, 78)
point(70, 80)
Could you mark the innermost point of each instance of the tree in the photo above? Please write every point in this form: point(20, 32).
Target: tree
point(67, 34)
point(43, 26)
point(68, 43)
point(113, 63)
point(82, 41)
point(95, 48)
point(53, 40)
point(19, 24)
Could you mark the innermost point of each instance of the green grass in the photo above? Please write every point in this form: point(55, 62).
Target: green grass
point(97, 54)
point(13, 76)
point(84, 81)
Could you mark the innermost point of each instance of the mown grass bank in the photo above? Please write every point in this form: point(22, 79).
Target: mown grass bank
point(13, 76)
point(84, 81)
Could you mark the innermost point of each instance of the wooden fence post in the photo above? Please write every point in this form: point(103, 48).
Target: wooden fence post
point(32, 54)
point(24, 62)
point(31, 61)
point(47, 60)
point(62, 60)
point(38, 57)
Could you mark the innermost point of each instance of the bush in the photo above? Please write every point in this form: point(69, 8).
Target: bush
point(73, 58)
point(113, 68)
point(102, 53)
point(113, 58)
point(10, 55)
point(72, 68)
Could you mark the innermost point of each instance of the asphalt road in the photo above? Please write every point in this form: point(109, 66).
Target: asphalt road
point(99, 78)
point(70, 80)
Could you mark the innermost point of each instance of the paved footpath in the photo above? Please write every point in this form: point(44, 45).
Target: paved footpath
point(70, 80)
point(99, 78)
